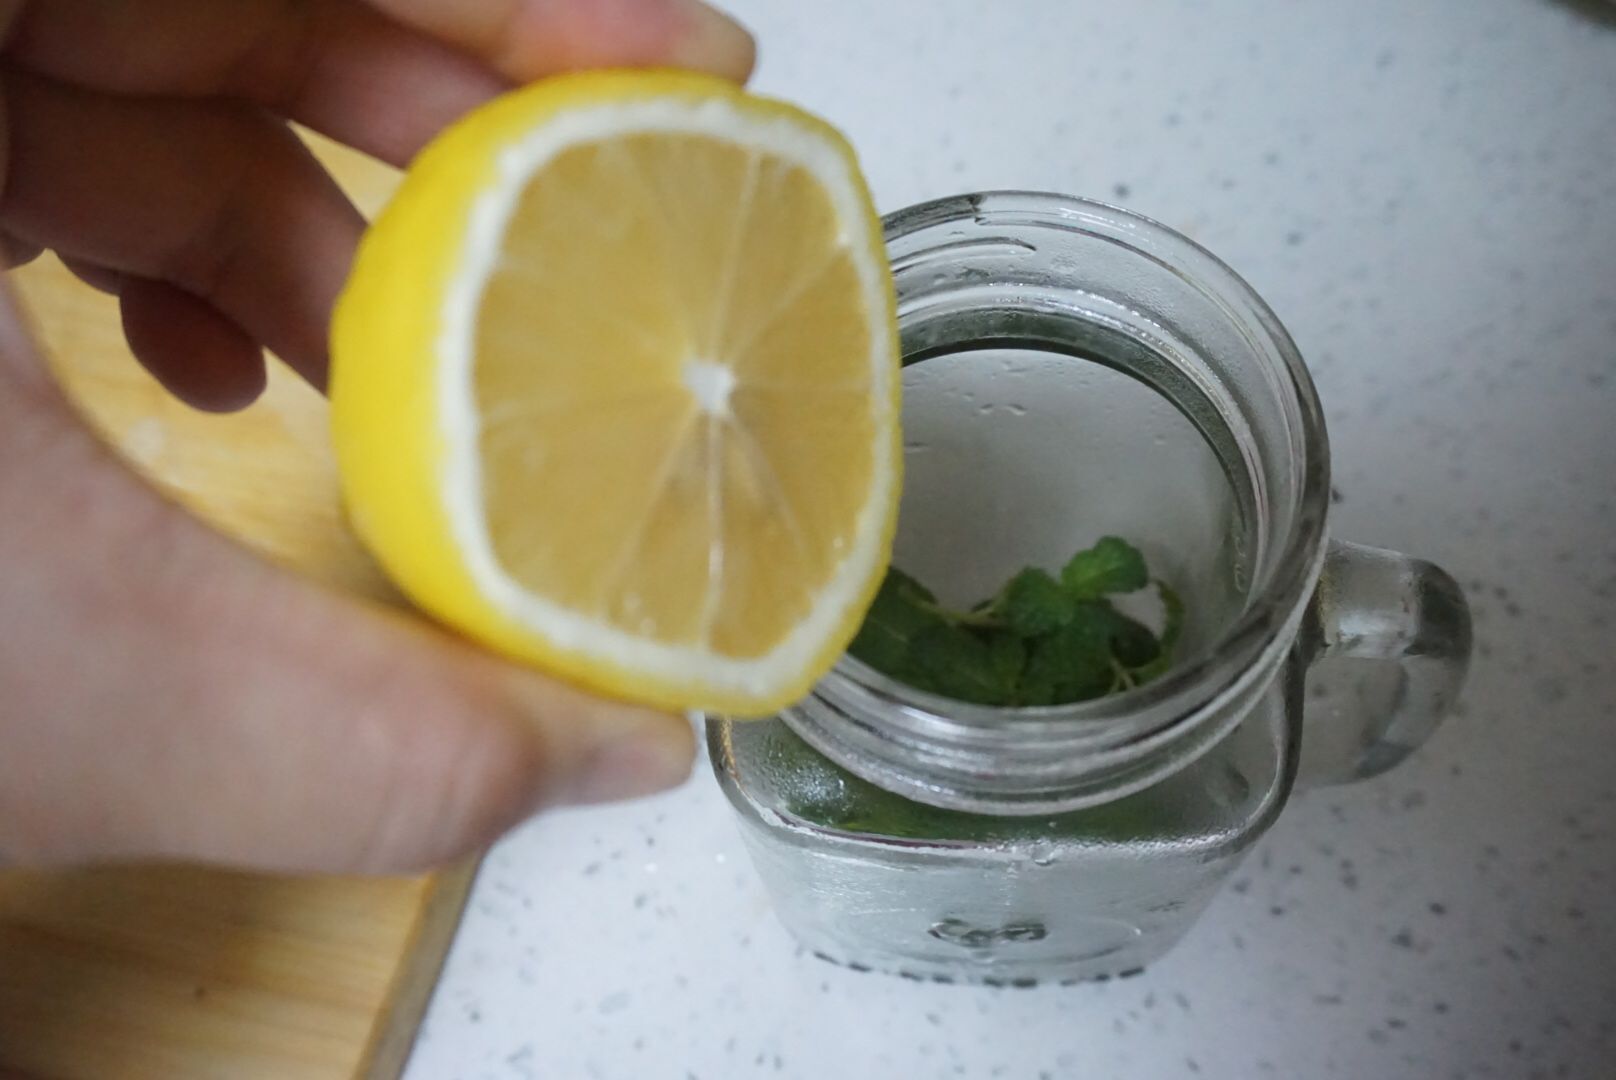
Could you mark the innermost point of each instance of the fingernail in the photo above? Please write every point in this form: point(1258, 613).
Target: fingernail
point(712, 41)
point(632, 766)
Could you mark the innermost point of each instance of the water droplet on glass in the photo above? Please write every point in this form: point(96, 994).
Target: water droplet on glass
point(1017, 410)
point(1042, 853)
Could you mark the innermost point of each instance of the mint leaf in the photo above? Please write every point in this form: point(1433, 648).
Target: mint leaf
point(1033, 603)
point(1174, 604)
point(911, 591)
point(1038, 641)
point(954, 662)
point(1007, 655)
point(1072, 664)
point(1172, 630)
point(1111, 566)
point(1132, 642)
point(903, 609)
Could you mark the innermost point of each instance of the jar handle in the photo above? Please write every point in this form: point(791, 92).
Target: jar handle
point(1397, 613)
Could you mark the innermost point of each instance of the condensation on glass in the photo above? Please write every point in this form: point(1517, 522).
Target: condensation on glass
point(1073, 371)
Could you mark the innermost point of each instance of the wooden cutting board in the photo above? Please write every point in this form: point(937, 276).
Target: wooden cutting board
point(176, 973)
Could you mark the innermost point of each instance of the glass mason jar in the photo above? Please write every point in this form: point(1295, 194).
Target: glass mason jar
point(1073, 371)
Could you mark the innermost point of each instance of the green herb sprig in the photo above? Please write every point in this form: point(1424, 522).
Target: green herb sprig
point(1041, 640)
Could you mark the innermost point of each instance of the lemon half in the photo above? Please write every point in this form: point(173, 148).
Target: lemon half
point(615, 388)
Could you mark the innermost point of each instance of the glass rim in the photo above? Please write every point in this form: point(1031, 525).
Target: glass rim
point(1135, 714)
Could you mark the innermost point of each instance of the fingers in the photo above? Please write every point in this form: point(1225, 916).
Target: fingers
point(219, 201)
point(366, 81)
point(201, 357)
point(198, 355)
point(14, 252)
point(338, 67)
point(384, 85)
point(169, 696)
point(96, 277)
point(526, 39)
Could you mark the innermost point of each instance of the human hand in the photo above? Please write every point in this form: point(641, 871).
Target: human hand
point(162, 692)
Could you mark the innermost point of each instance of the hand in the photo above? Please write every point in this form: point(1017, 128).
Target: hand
point(162, 692)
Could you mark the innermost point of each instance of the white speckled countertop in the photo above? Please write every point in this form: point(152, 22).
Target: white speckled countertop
point(1426, 192)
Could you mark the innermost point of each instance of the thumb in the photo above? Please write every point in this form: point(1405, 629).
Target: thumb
point(169, 695)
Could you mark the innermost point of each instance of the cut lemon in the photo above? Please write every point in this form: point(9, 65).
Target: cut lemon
point(615, 388)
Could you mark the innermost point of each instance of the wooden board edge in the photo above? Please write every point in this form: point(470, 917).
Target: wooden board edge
point(393, 1036)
